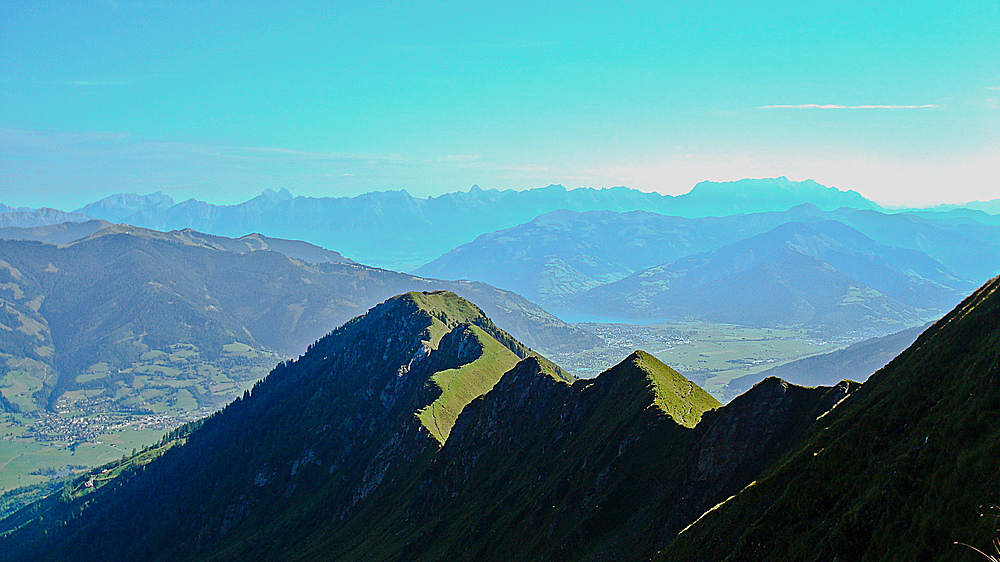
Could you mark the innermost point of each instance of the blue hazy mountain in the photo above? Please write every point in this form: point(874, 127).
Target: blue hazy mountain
point(68, 232)
point(990, 207)
point(60, 233)
point(25, 218)
point(396, 230)
point(820, 275)
point(564, 253)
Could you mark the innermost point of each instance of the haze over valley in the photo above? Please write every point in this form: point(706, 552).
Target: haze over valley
point(668, 281)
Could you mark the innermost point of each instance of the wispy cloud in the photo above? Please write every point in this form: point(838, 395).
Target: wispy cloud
point(838, 106)
point(516, 45)
point(123, 145)
point(458, 158)
point(98, 83)
point(994, 88)
point(317, 156)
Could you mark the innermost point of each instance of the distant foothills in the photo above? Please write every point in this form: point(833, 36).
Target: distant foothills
point(395, 230)
point(766, 252)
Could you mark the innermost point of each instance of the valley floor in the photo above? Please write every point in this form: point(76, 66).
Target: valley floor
point(711, 355)
point(90, 427)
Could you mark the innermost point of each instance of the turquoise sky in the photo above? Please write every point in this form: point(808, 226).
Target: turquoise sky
point(220, 100)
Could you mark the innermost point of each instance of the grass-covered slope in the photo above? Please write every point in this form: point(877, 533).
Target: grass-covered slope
point(901, 470)
point(678, 397)
point(492, 353)
point(460, 385)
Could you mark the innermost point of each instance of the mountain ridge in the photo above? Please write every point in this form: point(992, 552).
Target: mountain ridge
point(562, 254)
point(113, 307)
point(537, 467)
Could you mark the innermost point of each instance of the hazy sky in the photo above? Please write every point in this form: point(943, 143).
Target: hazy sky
point(220, 100)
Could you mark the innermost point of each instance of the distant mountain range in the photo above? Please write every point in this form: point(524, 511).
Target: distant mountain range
point(564, 253)
point(578, 262)
point(991, 207)
point(824, 276)
point(23, 217)
point(396, 230)
point(125, 311)
point(68, 232)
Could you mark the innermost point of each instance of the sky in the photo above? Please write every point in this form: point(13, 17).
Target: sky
point(220, 100)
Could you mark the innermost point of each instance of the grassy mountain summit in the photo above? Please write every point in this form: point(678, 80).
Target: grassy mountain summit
point(899, 471)
point(678, 397)
point(482, 354)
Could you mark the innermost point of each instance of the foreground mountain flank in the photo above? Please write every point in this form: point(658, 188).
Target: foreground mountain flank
point(900, 471)
point(421, 431)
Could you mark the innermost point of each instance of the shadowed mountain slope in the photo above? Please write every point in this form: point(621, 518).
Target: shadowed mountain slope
point(316, 439)
point(331, 457)
point(900, 470)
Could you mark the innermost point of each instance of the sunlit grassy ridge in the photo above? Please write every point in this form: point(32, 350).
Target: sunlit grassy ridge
point(678, 397)
point(496, 353)
point(461, 385)
point(402, 435)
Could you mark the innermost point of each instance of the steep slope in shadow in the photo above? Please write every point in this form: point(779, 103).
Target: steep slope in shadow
point(899, 471)
point(334, 436)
